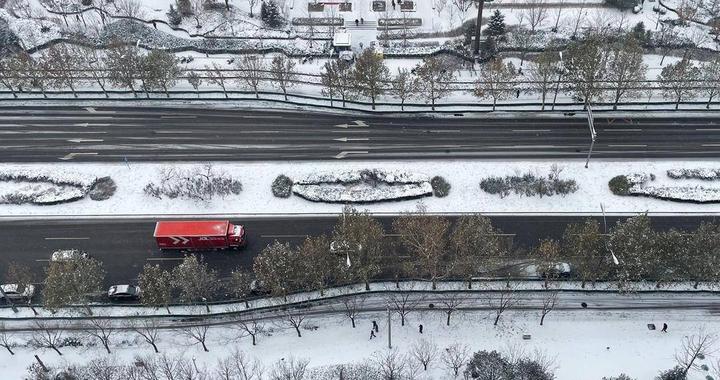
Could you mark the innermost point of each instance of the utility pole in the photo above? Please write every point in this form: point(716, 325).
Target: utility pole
point(591, 125)
point(478, 24)
point(389, 328)
point(561, 71)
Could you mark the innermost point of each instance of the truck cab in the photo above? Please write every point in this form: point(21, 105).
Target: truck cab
point(236, 236)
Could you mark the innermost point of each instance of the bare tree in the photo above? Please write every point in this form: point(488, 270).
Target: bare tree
point(439, 6)
point(102, 368)
point(391, 364)
point(558, 12)
point(586, 65)
point(241, 284)
point(403, 303)
point(100, 329)
point(252, 72)
point(238, 366)
point(693, 347)
point(455, 357)
point(371, 74)
point(426, 238)
point(522, 39)
point(436, 76)
point(320, 266)
point(283, 73)
point(250, 327)
point(477, 246)
point(156, 284)
point(536, 12)
point(294, 318)
point(501, 300)
point(362, 236)
point(124, 64)
point(47, 335)
point(21, 275)
point(216, 75)
point(425, 352)
point(679, 80)
point(544, 73)
point(462, 5)
point(195, 81)
point(251, 5)
point(548, 255)
point(583, 245)
point(198, 333)
point(129, 8)
point(162, 70)
point(6, 339)
point(291, 369)
point(94, 65)
point(148, 329)
point(626, 69)
point(352, 305)
point(62, 65)
point(9, 76)
point(549, 300)
point(496, 81)
point(338, 79)
point(711, 78)
point(451, 302)
point(404, 86)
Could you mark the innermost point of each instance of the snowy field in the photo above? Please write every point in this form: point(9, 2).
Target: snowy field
point(586, 345)
point(463, 175)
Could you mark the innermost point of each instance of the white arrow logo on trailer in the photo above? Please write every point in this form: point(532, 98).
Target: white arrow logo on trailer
point(175, 240)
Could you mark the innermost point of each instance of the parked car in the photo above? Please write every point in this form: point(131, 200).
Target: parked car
point(68, 254)
point(13, 292)
point(559, 270)
point(124, 292)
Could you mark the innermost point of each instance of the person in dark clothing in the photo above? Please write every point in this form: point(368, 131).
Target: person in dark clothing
point(664, 329)
point(362, 21)
point(420, 328)
point(517, 93)
point(357, 22)
point(372, 334)
point(375, 327)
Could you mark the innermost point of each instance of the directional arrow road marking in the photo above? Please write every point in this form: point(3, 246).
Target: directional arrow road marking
point(346, 153)
point(346, 139)
point(355, 124)
point(85, 125)
point(85, 140)
point(93, 110)
point(70, 156)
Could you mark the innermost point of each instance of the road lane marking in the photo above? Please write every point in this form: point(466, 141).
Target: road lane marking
point(531, 130)
point(344, 154)
point(261, 117)
point(627, 145)
point(165, 259)
point(708, 129)
point(711, 145)
point(85, 140)
point(284, 236)
point(67, 238)
point(42, 260)
point(71, 156)
point(346, 139)
point(178, 117)
point(355, 124)
point(622, 130)
point(169, 132)
point(444, 131)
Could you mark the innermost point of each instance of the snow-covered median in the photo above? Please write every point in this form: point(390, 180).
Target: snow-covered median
point(464, 175)
point(683, 189)
point(43, 186)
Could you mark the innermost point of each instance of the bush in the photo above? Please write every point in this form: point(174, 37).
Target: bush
point(623, 4)
point(441, 187)
point(174, 17)
point(620, 185)
point(200, 184)
point(621, 377)
point(282, 186)
point(676, 373)
point(102, 189)
point(529, 185)
point(86, 3)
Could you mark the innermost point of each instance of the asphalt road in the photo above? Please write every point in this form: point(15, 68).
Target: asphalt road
point(124, 246)
point(113, 134)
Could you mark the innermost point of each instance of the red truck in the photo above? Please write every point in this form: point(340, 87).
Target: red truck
point(196, 235)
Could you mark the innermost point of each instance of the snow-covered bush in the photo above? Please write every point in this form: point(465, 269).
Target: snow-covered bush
point(636, 184)
point(201, 183)
point(282, 186)
point(362, 186)
point(318, 21)
point(706, 174)
point(102, 189)
point(620, 185)
point(22, 186)
point(529, 184)
point(441, 187)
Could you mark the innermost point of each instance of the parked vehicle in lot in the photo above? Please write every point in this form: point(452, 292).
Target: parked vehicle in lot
point(195, 235)
point(124, 292)
point(68, 254)
point(13, 292)
point(559, 270)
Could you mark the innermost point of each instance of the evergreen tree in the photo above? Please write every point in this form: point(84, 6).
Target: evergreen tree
point(185, 7)
point(675, 373)
point(174, 17)
point(270, 14)
point(496, 26)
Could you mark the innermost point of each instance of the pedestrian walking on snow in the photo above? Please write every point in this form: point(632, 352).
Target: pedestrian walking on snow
point(362, 21)
point(375, 327)
point(664, 329)
point(372, 334)
point(420, 328)
point(357, 22)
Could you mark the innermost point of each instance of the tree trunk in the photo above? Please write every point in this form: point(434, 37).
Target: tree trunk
point(542, 104)
point(204, 347)
point(542, 318)
point(709, 101)
point(225, 92)
point(469, 282)
point(402, 104)
point(297, 328)
point(434, 283)
point(257, 96)
point(432, 107)
point(253, 339)
point(168, 309)
point(373, 101)
point(494, 101)
point(617, 100)
point(343, 100)
point(496, 319)
point(447, 322)
point(352, 319)
point(72, 88)
point(167, 93)
point(106, 345)
point(285, 93)
point(56, 349)
point(677, 103)
point(402, 319)
point(227, 4)
point(155, 347)
point(367, 284)
point(9, 350)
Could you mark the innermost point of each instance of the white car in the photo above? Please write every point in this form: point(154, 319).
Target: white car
point(68, 254)
point(14, 293)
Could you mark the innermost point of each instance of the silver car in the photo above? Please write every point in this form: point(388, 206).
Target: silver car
point(13, 292)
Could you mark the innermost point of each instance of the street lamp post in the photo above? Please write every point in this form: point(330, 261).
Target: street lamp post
point(591, 125)
point(478, 24)
point(614, 258)
point(561, 70)
point(389, 328)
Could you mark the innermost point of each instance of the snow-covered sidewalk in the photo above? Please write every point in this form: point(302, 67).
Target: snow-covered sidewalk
point(464, 177)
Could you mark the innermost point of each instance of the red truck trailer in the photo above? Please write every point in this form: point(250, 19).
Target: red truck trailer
point(196, 235)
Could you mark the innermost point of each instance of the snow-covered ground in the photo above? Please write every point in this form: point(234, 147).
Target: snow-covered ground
point(585, 345)
point(463, 175)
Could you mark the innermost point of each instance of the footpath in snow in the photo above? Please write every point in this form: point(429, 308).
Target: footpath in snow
point(464, 177)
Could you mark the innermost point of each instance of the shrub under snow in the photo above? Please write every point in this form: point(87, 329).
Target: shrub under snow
point(201, 183)
point(636, 184)
point(441, 187)
point(362, 186)
point(22, 186)
point(706, 174)
point(282, 186)
point(529, 185)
